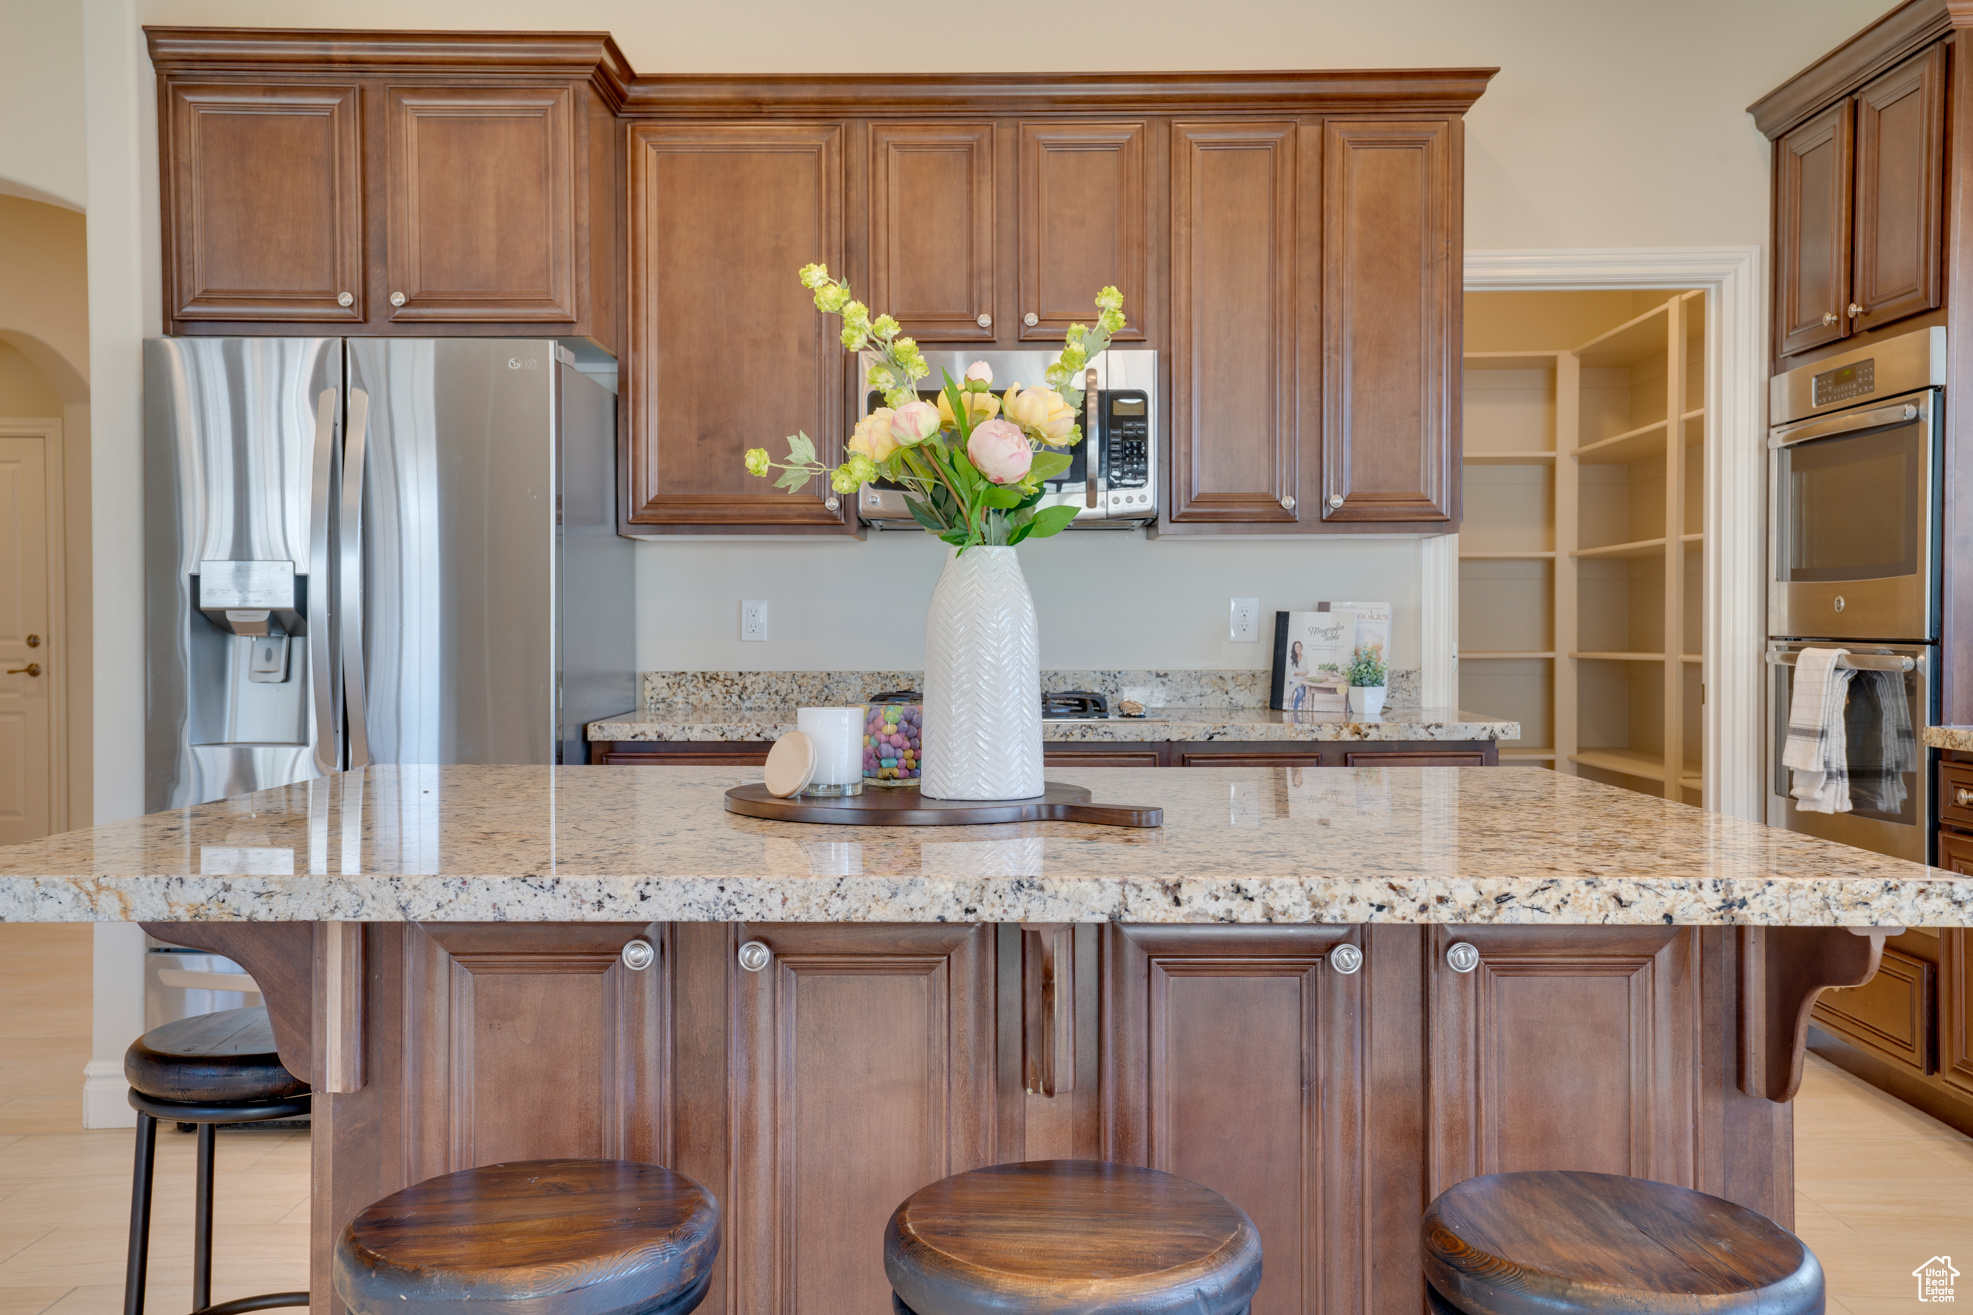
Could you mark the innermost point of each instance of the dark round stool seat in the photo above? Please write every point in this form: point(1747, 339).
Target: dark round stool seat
point(211, 1058)
point(1553, 1243)
point(547, 1237)
point(1082, 1236)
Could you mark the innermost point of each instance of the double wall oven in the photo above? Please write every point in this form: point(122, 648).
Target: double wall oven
point(1853, 549)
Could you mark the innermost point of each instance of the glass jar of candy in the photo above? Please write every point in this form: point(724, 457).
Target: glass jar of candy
point(893, 733)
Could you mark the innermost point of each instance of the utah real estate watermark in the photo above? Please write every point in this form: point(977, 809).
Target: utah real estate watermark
point(1935, 1278)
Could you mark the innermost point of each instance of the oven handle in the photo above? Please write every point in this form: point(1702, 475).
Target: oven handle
point(1897, 413)
point(1852, 661)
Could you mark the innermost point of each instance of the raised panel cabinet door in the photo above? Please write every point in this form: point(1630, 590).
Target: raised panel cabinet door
point(1391, 282)
point(1812, 197)
point(1900, 188)
point(1565, 1048)
point(527, 1041)
point(1082, 226)
point(263, 202)
point(1955, 1006)
point(862, 1068)
point(1236, 197)
point(931, 229)
point(480, 193)
point(1890, 1015)
point(1233, 1056)
point(727, 350)
point(1956, 852)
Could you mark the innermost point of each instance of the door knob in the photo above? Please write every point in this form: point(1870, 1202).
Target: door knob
point(32, 669)
point(345, 299)
point(639, 955)
point(1031, 319)
point(397, 298)
point(1855, 310)
point(754, 956)
point(1829, 317)
point(1346, 959)
point(34, 641)
point(986, 321)
point(1462, 956)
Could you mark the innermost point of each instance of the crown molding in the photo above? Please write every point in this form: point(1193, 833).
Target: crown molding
point(1904, 31)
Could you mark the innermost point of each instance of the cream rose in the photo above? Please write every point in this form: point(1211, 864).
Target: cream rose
point(1000, 451)
point(980, 406)
point(979, 372)
point(873, 435)
point(914, 422)
point(1041, 411)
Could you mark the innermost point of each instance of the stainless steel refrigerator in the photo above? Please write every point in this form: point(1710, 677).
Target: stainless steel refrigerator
point(376, 550)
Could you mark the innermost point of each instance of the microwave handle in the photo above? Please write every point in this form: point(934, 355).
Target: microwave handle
point(1092, 449)
point(1853, 661)
point(1876, 418)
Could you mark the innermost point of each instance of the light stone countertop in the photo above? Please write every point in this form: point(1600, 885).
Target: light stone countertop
point(1950, 737)
point(1317, 845)
point(725, 723)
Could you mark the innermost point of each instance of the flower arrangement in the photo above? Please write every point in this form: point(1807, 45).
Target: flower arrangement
point(1366, 669)
point(972, 465)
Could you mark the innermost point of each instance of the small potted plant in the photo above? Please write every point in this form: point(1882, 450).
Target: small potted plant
point(1366, 675)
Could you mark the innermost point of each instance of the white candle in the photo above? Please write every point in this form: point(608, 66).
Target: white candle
point(837, 734)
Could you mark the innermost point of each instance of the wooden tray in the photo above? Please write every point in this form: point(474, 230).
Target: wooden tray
point(904, 806)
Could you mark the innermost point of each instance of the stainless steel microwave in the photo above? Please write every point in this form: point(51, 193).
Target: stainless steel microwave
point(1112, 480)
point(1854, 493)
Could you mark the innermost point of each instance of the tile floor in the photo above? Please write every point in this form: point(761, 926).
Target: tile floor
point(1880, 1187)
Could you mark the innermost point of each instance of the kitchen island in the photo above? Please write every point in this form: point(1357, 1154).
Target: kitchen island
point(1327, 993)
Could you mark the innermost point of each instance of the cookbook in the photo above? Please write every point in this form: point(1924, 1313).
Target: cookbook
point(1312, 651)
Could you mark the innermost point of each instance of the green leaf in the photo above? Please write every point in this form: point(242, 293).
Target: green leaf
point(801, 449)
point(957, 538)
point(961, 417)
point(1047, 465)
point(793, 479)
point(1018, 533)
point(1051, 520)
point(962, 466)
point(923, 515)
point(1002, 495)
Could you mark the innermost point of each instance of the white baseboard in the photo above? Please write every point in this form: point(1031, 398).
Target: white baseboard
point(105, 1095)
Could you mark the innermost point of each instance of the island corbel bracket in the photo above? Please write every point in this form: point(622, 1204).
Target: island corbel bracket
point(1782, 971)
point(1048, 1008)
point(319, 1036)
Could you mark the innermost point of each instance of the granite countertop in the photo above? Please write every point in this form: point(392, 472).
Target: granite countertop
point(1959, 738)
point(1335, 845)
point(1191, 724)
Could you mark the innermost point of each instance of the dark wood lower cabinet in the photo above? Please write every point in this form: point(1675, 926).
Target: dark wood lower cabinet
point(862, 1061)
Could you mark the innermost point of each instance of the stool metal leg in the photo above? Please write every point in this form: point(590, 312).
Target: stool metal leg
point(140, 1215)
point(202, 1220)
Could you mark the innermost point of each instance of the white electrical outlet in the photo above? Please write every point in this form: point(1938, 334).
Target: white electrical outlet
point(753, 619)
point(1244, 621)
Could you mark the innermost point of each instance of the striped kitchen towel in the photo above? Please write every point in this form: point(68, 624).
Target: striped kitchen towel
point(1817, 750)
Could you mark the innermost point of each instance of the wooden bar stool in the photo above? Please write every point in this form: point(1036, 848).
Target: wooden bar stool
point(1556, 1243)
point(539, 1237)
point(1060, 1236)
point(211, 1070)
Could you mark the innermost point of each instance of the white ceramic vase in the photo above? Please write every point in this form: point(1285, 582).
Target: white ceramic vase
point(1367, 700)
point(982, 730)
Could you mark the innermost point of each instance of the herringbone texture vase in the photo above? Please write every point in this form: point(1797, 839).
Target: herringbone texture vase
point(982, 681)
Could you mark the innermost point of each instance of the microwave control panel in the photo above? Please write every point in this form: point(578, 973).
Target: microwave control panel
point(1127, 427)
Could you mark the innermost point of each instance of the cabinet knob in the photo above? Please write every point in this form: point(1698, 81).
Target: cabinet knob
point(755, 956)
point(1346, 959)
point(1462, 956)
point(1962, 796)
point(1031, 319)
point(639, 955)
point(345, 299)
point(397, 298)
point(1855, 310)
point(1829, 317)
point(1335, 499)
point(1287, 502)
point(986, 321)
point(832, 502)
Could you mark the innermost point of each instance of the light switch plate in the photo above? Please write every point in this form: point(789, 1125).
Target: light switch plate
point(753, 619)
point(1244, 621)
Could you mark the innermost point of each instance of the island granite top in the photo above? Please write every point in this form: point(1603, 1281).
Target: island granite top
point(1188, 724)
point(1244, 845)
point(1950, 737)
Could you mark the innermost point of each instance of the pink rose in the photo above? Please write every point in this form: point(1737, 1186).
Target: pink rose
point(979, 372)
point(914, 422)
point(1000, 451)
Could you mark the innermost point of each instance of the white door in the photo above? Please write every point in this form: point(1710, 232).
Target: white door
point(26, 723)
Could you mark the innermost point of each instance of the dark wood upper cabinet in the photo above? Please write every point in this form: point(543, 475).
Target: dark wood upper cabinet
point(1392, 279)
point(1812, 195)
point(932, 257)
point(263, 203)
point(480, 187)
point(1238, 193)
point(1082, 226)
point(728, 351)
point(1899, 208)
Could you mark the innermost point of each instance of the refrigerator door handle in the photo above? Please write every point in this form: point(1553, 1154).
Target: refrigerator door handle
point(354, 453)
point(321, 610)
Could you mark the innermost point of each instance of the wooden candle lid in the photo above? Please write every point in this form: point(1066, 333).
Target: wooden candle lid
point(790, 765)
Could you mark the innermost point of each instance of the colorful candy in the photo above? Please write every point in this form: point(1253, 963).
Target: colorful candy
point(893, 735)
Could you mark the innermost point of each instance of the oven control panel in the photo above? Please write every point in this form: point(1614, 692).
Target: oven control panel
point(1858, 379)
